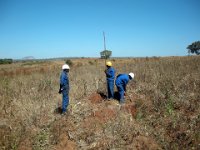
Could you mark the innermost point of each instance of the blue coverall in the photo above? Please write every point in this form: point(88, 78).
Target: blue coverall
point(121, 82)
point(110, 76)
point(64, 86)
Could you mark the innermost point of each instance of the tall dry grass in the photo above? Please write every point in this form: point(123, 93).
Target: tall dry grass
point(167, 100)
point(29, 96)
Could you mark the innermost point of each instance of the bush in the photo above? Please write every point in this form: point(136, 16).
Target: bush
point(6, 61)
point(91, 63)
point(69, 62)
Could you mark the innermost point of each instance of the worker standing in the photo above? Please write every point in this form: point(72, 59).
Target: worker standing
point(121, 82)
point(64, 87)
point(110, 77)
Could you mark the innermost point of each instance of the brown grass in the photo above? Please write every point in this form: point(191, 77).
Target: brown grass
point(162, 105)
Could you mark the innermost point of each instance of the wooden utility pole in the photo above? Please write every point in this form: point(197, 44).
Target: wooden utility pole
point(104, 40)
point(105, 53)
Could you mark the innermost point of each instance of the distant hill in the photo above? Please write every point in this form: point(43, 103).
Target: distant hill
point(28, 58)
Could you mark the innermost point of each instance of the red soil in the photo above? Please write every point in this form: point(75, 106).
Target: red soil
point(95, 98)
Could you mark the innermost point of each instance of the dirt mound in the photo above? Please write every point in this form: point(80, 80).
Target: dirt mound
point(96, 98)
point(99, 117)
point(65, 143)
point(60, 134)
point(105, 114)
point(129, 108)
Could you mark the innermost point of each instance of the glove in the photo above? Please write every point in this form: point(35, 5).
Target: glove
point(60, 91)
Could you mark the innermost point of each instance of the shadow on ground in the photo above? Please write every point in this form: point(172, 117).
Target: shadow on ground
point(58, 110)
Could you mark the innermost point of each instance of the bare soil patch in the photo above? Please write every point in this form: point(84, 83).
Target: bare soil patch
point(96, 98)
point(129, 108)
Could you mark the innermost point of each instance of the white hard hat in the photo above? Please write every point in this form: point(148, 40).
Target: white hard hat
point(131, 74)
point(65, 66)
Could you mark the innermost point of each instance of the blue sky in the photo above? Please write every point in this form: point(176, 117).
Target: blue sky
point(74, 28)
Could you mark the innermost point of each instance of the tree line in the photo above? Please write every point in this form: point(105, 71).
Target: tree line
point(6, 61)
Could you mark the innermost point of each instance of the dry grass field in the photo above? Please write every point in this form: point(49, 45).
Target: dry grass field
point(162, 109)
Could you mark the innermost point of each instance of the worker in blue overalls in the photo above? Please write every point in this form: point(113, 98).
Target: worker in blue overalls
point(121, 82)
point(110, 77)
point(64, 87)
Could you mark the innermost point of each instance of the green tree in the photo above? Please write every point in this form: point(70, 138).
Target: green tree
point(106, 54)
point(194, 48)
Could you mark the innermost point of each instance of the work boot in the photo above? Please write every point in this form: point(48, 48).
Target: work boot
point(122, 101)
point(66, 113)
point(110, 98)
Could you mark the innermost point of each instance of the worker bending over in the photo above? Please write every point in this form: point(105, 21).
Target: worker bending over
point(121, 82)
